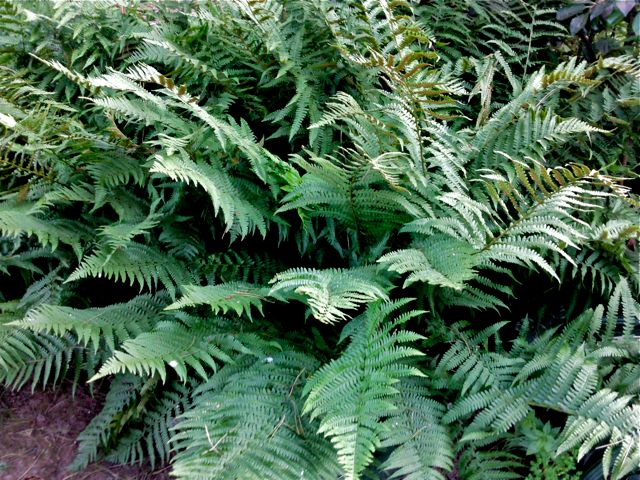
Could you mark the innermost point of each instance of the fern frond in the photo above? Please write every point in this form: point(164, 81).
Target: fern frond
point(42, 359)
point(343, 191)
point(423, 446)
point(22, 218)
point(442, 261)
point(350, 405)
point(113, 324)
point(476, 369)
point(137, 263)
point(236, 296)
point(332, 291)
point(568, 385)
point(245, 423)
point(152, 440)
point(119, 235)
point(237, 211)
point(196, 344)
point(123, 390)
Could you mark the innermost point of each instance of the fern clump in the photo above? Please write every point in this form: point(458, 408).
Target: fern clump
point(322, 240)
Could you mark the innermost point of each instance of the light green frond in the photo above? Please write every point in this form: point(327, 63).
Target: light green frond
point(22, 218)
point(157, 412)
point(443, 262)
point(119, 235)
point(422, 446)
point(623, 313)
point(137, 263)
point(245, 423)
point(113, 324)
point(98, 433)
point(236, 296)
point(237, 211)
point(567, 385)
point(41, 359)
point(474, 368)
point(332, 291)
point(350, 406)
point(196, 344)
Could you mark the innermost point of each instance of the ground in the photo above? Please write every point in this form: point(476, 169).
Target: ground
point(37, 438)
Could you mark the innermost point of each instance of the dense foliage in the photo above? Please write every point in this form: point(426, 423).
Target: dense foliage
point(328, 239)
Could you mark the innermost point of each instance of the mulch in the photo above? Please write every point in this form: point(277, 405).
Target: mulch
point(38, 437)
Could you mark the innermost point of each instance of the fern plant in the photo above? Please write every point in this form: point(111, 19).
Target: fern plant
point(322, 240)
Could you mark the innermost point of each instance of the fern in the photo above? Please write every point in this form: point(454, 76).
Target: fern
point(151, 440)
point(423, 446)
point(236, 296)
point(112, 325)
point(136, 263)
point(443, 262)
point(169, 169)
point(245, 423)
point(122, 392)
point(329, 292)
point(361, 384)
point(18, 219)
point(195, 344)
point(563, 375)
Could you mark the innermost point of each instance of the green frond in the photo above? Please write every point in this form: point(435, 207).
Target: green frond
point(241, 266)
point(136, 263)
point(567, 385)
point(194, 343)
point(152, 440)
point(123, 391)
point(443, 262)
point(238, 213)
point(119, 235)
point(423, 446)
point(541, 207)
point(343, 191)
point(332, 291)
point(22, 218)
point(350, 406)
point(477, 465)
point(529, 139)
point(623, 313)
point(40, 359)
point(236, 296)
point(474, 368)
point(112, 325)
point(245, 423)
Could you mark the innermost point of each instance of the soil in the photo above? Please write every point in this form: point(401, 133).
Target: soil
point(38, 438)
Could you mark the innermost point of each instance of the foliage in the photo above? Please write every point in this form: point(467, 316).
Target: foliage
point(317, 239)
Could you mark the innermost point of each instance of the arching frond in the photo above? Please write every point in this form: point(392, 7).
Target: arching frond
point(330, 292)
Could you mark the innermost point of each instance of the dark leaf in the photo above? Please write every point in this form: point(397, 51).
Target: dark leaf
point(625, 6)
point(614, 18)
point(568, 12)
point(578, 23)
point(636, 24)
point(598, 10)
point(606, 45)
